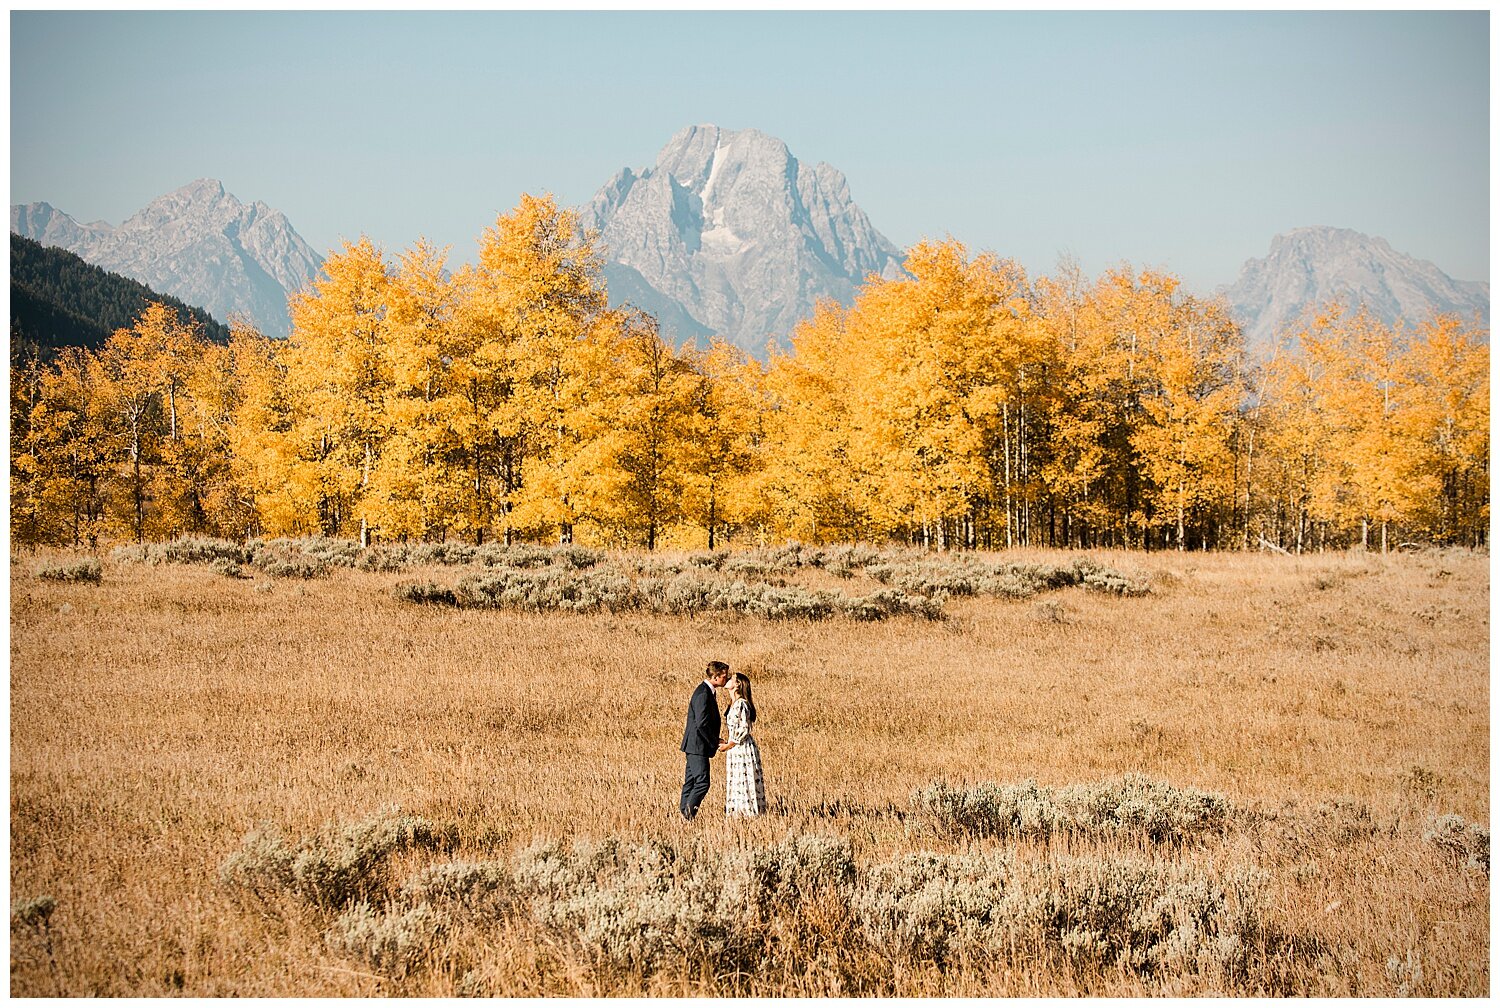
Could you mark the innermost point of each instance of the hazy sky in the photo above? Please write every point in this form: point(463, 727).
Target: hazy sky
point(1177, 140)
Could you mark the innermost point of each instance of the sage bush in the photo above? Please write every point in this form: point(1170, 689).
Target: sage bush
point(644, 906)
point(336, 866)
point(1132, 805)
point(965, 574)
point(546, 589)
point(34, 912)
point(1145, 917)
point(1466, 843)
point(86, 571)
point(638, 906)
point(395, 943)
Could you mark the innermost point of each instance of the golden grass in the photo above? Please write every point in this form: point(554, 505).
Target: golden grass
point(157, 717)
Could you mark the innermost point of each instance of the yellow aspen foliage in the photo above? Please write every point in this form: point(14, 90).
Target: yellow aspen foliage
point(265, 454)
point(420, 486)
point(1292, 442)
point(960, 406)
point(1191, 391)
point(1445, 377)
point(127, 377)
point(1370, 458)
point(193, 492)
point(63, 452)
point(1081, 370)
point(539, 284)
point(721, 446)
point(1095, 469)
point(627, 475)
point(811, 487)
point(1356, 396)
point(918, 344)
point(200, 491)
point(339, 374)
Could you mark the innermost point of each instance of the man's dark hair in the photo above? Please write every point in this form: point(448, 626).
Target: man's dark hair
point(717, 668)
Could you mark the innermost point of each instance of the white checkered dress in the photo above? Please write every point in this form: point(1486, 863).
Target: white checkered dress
point(744, 784)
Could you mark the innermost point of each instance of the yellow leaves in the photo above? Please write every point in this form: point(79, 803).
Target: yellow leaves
point(963, 405)
point(1386, 427)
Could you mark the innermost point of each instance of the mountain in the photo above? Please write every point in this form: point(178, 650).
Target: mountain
point(728, 234)
point(197, 243)
point(57, 300)
point(1309, 267)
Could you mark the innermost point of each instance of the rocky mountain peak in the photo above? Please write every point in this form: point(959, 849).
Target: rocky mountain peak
point(728, 234)
point(198, 243)
point(1307, 267)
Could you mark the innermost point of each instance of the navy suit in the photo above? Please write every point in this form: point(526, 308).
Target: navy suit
point(700, 741)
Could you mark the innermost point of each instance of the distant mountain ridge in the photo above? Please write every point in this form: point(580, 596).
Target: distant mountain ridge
point(1309, 267)
point(728, 234)
point(197, 243)
point(58, 300)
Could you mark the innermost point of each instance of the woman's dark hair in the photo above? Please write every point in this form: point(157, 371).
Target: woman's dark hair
point(744, 683)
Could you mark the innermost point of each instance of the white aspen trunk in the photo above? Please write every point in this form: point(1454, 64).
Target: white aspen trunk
point(1025, 478)
point(1249, 486)
point(1181, 526)
point(1005, 445)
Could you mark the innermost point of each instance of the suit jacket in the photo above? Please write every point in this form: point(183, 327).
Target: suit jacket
point(701, 737)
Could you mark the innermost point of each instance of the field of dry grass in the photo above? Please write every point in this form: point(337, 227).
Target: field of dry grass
point(157, 717)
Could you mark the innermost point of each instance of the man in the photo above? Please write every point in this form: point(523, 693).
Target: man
point(700, 740)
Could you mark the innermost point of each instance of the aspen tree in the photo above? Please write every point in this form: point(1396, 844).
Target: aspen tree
point(1189, 402)
point(813, 488)
point(943, 383)
point(1072, 473)
point(1358, 399)
point(340, 373)
point(627, 474)
point(201, 496)
point(196, 390)
point(63, 453)
point(1094, 468)
point(1445, 375)
point(272, 468)
point(544, 291)
point(420, 487)
point(721, 446)
point(126, 378)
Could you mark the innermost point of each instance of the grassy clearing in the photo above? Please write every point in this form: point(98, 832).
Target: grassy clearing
point(1313, 721)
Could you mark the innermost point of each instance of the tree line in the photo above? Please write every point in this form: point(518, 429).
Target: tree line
point(963, 406)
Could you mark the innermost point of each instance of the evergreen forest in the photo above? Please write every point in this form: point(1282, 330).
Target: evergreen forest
point(58, 300)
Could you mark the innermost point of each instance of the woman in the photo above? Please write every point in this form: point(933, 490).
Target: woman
point(744, 785)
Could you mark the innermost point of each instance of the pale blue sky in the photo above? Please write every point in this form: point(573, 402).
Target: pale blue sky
point(1177, 140)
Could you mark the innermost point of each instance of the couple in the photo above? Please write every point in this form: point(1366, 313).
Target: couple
point(744, 787)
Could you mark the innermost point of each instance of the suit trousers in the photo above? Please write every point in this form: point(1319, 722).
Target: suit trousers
point(694, 784)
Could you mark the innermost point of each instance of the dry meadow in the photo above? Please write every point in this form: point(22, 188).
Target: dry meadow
point(1339, 702)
